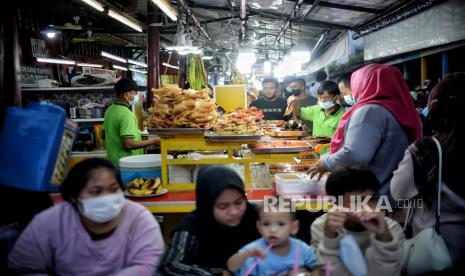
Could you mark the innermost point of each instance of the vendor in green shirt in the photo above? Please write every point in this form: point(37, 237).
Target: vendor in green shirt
point(122, 136)
point(327, 113)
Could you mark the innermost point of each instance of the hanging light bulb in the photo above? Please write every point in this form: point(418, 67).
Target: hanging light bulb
point(267, 65)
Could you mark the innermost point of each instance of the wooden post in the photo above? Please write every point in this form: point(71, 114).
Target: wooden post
point(153, 52)
point(10, 90)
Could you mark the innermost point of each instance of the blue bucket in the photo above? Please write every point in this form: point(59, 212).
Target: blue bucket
point(140, 166)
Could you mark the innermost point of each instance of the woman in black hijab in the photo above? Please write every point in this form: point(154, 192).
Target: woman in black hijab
point(222, 223)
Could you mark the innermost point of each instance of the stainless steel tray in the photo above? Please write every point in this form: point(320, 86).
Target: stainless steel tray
point(279, 150)
point(246, 138)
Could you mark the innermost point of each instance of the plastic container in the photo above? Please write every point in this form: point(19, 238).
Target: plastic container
point(145, 166)
point(299, 184)
point(35, 143)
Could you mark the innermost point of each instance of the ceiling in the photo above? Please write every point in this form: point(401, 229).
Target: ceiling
point(220, 18)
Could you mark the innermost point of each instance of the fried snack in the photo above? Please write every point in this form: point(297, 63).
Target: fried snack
point(143, 187)
point(177, 108)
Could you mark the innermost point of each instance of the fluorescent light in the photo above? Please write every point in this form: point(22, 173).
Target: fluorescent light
point(51, 35)
point(137, 63)
point(90, 65)
point(94, 4)
point(125, 20)
point(108, 55)
point(56, 61)
point(207, 57)
point(170, 66)
point(167, 9)
point(139, 71)
point(120, 67)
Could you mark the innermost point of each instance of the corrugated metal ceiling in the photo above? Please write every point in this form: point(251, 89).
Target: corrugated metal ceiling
point(264, 16)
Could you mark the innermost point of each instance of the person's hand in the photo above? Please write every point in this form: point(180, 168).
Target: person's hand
point(339, 99)
point(334, 221)
point(258, 252)
point(317, 169)
point(290, 100)
point(375, 222)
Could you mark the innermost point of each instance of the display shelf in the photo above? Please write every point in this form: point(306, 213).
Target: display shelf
point(180, 142)
point(56, 89)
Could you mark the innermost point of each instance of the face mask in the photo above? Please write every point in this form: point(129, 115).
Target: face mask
point(135, 100)
point(326, 105)
point(289, 89)
point(103, 208)
point(349, 100)
point(296, 92)
point(352, 256)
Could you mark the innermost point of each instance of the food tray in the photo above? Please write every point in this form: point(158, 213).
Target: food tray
point(280, 147)
point(212, 137)
point(289, 134)
point(176, 130)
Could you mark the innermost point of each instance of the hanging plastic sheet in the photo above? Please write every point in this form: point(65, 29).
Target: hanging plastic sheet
point(439, 25)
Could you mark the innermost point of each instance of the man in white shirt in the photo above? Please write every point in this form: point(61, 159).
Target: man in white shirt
point(320, 77)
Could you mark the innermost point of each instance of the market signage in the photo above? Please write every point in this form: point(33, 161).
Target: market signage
point(39, 49)
point(31, 74)
point(94, 77)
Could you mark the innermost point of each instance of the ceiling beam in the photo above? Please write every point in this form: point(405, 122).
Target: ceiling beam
point(174, 26)
point(273, 15)
point(342, 6)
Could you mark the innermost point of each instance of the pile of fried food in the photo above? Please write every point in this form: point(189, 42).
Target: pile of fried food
point(239, 122)
point(143, 187)
point(177, 108)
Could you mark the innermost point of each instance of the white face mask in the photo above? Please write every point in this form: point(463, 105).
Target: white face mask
point(103, 208)
point(135, 100)
point(326, 105)
point(349, 100)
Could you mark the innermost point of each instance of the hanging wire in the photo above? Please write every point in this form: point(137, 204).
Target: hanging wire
point(266, 45)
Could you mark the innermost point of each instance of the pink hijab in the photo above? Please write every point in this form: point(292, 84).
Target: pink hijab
point(383, 85)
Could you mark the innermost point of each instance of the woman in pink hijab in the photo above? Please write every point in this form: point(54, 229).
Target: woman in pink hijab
point(376, 131)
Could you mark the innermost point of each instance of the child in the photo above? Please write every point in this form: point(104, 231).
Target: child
point(279, 253)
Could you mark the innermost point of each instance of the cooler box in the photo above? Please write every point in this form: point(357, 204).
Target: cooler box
point(140, 166)
point(35, 144)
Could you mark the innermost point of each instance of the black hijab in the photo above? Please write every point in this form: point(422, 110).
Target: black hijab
point(446, 122)
point(217, 242)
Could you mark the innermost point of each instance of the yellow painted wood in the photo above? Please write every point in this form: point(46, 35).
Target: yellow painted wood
point(171, 209)
point(191, 142)
point(181, 187)
point(230, 97)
